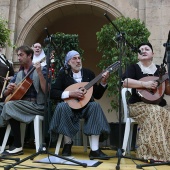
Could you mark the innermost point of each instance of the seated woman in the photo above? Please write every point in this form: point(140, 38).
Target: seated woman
point(153, 140)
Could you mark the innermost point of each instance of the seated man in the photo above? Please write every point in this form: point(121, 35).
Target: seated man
point(65, 119)
point(27, 106)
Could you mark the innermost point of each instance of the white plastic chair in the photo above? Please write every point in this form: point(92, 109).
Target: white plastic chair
point(61, 137)
point(37, 133)
point(129, 122)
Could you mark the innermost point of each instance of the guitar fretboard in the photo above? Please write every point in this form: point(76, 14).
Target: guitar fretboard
point(97, 78)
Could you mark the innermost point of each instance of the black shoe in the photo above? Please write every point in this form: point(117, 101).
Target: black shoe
point(98, 154)
point(67, 149)
point(13, 151)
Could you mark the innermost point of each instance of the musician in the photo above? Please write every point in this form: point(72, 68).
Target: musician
point(31, 104)
point(153, 140)
point(6, 73)
point(5, 66)
point(38, 53)
point(66, 120)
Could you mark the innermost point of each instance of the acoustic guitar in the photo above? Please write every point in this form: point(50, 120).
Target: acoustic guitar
point(153, 96)
point(22, 87)
point(76, 103)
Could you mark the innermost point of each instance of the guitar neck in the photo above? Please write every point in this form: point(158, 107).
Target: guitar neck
point(163, 78)
point(28, 74)
point(33, 68)
point(92, 82)
point(112, 67)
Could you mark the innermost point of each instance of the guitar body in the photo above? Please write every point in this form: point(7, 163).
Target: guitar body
point(23, 86)
point(20, 91)
point(152, 96)
point(167, 87)
point(78, 103)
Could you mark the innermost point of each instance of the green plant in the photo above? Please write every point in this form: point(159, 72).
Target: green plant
point(4, 33)
point(134, 32)
point(63, 43)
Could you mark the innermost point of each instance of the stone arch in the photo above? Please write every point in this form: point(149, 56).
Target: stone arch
point(88, 14)
point(41, 14)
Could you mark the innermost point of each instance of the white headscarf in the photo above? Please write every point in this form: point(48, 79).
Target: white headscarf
point(38, 58)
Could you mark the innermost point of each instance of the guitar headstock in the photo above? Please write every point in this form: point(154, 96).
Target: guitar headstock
point(113, 67)
point(43, 59)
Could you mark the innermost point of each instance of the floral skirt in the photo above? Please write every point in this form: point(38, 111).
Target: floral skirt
point(153, 141)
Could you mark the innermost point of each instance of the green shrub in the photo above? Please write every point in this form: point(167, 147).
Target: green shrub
point(4, 33)
point(63, 43)
point(134, 32)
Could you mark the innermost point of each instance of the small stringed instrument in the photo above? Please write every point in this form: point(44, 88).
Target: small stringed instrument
point(4, 85)
point(153, 96)
point(88, 86)
point(22, 87)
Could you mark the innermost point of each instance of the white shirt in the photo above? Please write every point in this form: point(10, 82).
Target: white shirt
point(147, 70)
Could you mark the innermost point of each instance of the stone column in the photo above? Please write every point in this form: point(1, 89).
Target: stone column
point(12, 26)
point(141, 10)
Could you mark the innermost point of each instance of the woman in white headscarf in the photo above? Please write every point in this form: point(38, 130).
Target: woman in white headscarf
point(38, 54)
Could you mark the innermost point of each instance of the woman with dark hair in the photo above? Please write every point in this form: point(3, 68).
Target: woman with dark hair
point(153, 140)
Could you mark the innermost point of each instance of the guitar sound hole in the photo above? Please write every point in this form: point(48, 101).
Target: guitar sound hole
point(77, 100)
point(151, 92)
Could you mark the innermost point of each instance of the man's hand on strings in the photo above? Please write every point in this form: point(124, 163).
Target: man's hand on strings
point(79, 93)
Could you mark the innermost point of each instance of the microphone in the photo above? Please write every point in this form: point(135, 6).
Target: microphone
point(48, 39)
point(135, 49)
point(140, 52)
point(46, 30)
point(168, 37)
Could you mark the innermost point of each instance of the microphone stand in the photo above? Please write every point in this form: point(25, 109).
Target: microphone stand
point(121, 44)
point(166, 59)
point(43, 149)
